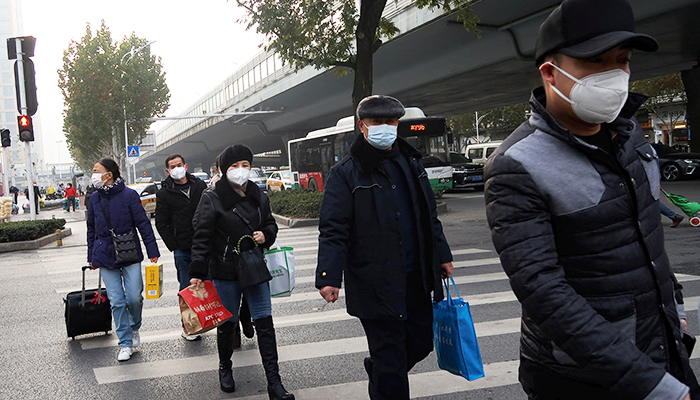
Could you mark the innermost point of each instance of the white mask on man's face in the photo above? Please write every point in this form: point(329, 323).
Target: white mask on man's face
point(178, 173)
point(597, 98)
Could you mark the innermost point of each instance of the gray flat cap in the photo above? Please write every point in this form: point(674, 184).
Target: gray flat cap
point(378, 106)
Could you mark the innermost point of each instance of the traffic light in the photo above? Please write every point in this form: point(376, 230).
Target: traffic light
point(6, 141)
point(26, 128)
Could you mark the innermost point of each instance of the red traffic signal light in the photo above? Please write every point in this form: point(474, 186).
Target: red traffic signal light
point(26, 128)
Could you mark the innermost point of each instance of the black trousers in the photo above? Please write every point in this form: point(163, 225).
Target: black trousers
point(397, 346)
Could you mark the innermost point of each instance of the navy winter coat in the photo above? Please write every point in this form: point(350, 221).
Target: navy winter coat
point(125, 211)
point(579, 235)
point(361, 234)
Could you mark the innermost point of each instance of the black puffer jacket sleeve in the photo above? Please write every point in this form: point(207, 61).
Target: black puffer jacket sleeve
point(204, 223)
point(522, 233)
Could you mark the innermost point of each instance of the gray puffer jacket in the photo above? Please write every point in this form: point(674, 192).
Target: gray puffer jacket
point(579, 234)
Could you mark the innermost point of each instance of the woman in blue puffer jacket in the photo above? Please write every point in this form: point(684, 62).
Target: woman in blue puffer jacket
point(123, 281)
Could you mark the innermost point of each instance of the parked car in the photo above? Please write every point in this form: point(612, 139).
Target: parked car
point(479, 152)
point(147, 192)
point(203, 176)
point(258, 177)
point(676, 165)
point(465, 173)
point(279, 180)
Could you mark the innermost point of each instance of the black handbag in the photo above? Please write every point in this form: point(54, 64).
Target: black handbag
point(251, 269)
point(124, 243)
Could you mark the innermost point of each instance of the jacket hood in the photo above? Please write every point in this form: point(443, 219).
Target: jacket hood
point(230, 198)
point(369, 158)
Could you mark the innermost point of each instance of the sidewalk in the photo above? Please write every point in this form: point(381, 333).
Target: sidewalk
point(76, 221)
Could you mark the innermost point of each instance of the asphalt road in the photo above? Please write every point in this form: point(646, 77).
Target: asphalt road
point(321, 348)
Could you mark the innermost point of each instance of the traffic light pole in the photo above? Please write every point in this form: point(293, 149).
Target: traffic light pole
point(5, 184)
point(27, 145)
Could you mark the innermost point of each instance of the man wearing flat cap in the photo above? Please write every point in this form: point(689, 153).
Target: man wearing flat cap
point(379, 228)
point(573, 204)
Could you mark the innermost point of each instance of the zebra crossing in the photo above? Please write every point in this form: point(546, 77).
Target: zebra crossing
point(320, 346)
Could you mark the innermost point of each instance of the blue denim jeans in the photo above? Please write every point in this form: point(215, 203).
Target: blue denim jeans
point(258, 298)
point(183, 258)
point(667, 211)
point(124, 287)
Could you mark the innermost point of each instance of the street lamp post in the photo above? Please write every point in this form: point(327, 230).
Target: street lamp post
point(132, 52)
point(59, 159)
point(478, 119)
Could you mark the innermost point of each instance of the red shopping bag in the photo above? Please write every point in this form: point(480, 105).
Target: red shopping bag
point(201, 308)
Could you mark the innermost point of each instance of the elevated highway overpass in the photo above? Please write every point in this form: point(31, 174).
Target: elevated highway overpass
point(434, 64)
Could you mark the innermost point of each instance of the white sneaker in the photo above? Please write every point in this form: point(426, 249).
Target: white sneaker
point(124, 354)
point(136, 339)
point(190, 338)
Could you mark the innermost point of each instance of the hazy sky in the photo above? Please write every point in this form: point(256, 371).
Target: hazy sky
point(200, 44)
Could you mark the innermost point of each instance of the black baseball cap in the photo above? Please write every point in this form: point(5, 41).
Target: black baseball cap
point(586, 28)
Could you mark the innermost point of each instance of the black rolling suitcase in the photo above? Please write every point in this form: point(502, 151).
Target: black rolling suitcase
point(88, 311)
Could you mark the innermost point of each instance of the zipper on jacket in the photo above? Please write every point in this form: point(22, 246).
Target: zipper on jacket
point(223, 257)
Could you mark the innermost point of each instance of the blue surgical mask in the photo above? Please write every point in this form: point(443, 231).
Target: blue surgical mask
point(381, 136)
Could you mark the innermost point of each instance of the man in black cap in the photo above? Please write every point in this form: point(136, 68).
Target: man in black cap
point(379, 228)
point(572, 202)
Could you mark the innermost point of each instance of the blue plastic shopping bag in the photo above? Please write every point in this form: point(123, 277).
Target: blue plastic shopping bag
point(455, 338)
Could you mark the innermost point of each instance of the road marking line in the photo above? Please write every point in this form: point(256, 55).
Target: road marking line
point(421, 385)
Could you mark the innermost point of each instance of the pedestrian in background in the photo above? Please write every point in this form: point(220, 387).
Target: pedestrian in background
point(379, 228)
point(117, 208)
point(220, 222)
point(176, 203)
point(572, 199)
point(70, 197)
point(216, 176)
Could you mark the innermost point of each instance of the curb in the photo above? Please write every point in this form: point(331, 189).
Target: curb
point(292, 223)
point(32, 244)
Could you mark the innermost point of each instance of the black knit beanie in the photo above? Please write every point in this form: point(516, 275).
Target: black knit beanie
point(233, 154)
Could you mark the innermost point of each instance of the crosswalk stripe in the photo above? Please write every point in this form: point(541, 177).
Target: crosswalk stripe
point(241, 358)
point(421, 385)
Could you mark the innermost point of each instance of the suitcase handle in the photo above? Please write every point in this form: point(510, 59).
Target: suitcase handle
point(99, 286)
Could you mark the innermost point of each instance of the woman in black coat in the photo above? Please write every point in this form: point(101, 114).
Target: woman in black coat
point(233, 208)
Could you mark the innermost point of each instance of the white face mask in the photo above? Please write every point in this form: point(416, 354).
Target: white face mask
point(238, 176)
point(178, 173)
point(597, 98)
point(381, 136)
point(96, 179)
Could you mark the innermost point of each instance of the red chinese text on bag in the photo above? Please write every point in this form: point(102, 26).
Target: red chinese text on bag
point(201, 308)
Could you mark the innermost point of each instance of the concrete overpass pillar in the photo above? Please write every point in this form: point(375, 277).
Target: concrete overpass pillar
point(691, 81)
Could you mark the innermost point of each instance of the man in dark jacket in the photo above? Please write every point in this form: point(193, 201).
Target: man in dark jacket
point(379, 228)
point(573, 204)
point(176, 203)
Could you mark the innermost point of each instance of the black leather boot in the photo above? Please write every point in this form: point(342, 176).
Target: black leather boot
point(224, 343)
point(267, 344)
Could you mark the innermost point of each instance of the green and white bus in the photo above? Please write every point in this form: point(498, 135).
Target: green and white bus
point(311, 157)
